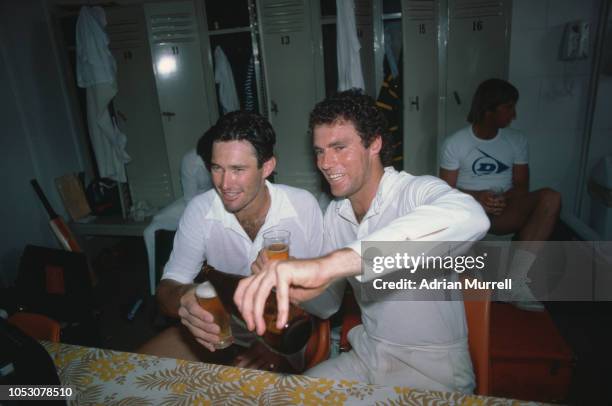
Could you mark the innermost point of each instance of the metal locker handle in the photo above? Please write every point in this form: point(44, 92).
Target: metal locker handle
point(168, 114)
point(274, 108)
point(415, 103)
point(457, 99)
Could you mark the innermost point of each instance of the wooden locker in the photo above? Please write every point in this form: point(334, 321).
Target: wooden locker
point(174, 39)
point(449, 47)
point(478, 49)
point(420, 86)
point(293, 86)
point(137, 107)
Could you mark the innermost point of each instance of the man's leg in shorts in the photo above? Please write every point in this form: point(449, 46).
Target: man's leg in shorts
point(533, 216)
point(177, 342)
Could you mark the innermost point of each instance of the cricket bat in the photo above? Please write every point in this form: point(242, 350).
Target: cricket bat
point(57, 224)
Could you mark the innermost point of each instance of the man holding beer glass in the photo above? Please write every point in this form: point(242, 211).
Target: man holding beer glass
point(422, 344)
point(226, 227)
point(208, 300)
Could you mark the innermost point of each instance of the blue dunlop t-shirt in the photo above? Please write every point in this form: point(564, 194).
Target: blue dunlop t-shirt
point(484, 164)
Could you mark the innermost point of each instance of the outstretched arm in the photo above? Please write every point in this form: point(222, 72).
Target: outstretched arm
point(434, 213)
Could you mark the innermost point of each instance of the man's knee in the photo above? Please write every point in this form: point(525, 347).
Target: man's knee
point(346, 366)
point(550, 200)
point(500, 226)
point(158, 344)
point(175, 342)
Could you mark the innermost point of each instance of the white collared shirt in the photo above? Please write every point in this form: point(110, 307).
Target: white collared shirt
point(406, 207)
point(208, 232)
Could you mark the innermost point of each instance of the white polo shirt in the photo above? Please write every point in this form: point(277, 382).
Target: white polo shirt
point(409, 208)
point(417, 343)
point(208, 232)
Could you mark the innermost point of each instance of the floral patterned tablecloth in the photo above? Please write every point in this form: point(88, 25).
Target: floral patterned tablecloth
point(106, 377)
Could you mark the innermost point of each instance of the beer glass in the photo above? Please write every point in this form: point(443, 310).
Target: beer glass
point(209, 301)
point(276, 244)
point(497, 192)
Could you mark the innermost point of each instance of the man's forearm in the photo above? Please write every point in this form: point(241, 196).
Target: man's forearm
point(328, 302)
point(169, 295)
point(341, 263)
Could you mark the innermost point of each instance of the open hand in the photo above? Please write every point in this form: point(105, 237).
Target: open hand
point(294, 280)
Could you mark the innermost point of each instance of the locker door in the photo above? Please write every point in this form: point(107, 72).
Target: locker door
point(179, 76)
point(420, 88)
point(477, 50)
point(137, 107)
point(292, 86)
point(365, 33)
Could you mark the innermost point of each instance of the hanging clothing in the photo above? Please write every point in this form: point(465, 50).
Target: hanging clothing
point(389, 53)
point(390, 103)
point(225, 78)
point(96, 71)
point(347, 44)
point(107, 140)
point(94, 62)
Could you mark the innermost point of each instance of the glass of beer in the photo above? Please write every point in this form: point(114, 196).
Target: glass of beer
point(209, 301)
point(276, 244)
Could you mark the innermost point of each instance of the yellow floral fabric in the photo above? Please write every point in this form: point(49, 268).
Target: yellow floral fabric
point(105, 377)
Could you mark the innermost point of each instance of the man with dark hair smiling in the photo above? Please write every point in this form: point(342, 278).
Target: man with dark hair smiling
point(225, 227)
point(422, 344)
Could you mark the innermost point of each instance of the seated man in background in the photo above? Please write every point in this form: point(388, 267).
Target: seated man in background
point(490, 161)
point(195, 179)
point(423, 343)
point(225, 228)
